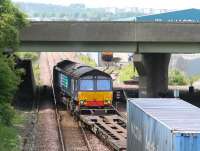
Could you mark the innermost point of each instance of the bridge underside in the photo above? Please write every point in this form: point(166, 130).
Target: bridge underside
point(112, 46)
point(78, 46)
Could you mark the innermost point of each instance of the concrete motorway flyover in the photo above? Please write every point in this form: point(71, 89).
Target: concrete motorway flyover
point(151, 42)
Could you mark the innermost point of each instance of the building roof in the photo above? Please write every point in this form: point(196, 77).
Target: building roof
point(188, 15)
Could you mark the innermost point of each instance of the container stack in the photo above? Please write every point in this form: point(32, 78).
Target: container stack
point(163, 125)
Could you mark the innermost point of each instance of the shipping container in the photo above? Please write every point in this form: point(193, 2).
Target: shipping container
point(163, 125)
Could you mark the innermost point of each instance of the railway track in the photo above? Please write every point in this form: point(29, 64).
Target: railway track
point(55, 107)
point(73, 135)
point(87, 135)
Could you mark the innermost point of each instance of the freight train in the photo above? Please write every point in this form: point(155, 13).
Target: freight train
point(82, 88)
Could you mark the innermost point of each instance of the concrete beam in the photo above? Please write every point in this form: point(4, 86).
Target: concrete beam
point(78, 46)
point(114, 36)
point(167, 32)
point(169, 47)
point(78, 32)
point(111, 31)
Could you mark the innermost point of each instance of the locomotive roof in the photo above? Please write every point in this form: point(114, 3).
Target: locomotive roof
point(78, 70)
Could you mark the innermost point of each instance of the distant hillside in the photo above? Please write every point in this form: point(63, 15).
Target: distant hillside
point(38, 11)
point(188, 63)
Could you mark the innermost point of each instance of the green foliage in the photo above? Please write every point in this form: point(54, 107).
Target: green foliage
point(127, 72)
point(177, 77)
point(11, 21)
point(87, 60)
point(19, 118)
point(36, 72)
point(28, 55)
point(9, 79)
point(193, 79)
point(9, 139)
point(6, 114)
point(34, 56)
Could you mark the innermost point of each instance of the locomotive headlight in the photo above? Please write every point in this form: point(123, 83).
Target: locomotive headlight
point(109, 101)
point(82, 102)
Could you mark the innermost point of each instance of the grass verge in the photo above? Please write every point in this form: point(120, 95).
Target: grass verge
point(10, 137)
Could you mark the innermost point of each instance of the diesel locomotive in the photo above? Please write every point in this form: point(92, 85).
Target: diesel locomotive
point(82, 87)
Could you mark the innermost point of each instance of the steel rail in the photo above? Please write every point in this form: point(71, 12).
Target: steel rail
point(56, 110)
point(85, 138)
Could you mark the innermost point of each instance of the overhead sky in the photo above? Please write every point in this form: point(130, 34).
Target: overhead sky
point(158, 4)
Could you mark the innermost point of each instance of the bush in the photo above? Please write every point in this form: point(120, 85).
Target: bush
point(28, 55)
point(127, 72)
point(87, 60)
point(177, 77)
point(9, 79)
point(9, 140)
point(36, 72)
point(6, 113)
point(11, 21)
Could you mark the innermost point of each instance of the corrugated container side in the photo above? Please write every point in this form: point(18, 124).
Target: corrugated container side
point(186, 141)
point(145, 133)
point(148, 128)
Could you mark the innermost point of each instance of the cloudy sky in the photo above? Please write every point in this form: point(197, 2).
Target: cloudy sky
point(160, 4)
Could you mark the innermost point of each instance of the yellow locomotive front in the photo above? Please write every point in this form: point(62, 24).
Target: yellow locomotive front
point(95, 92)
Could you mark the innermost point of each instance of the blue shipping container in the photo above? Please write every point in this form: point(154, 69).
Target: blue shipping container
point(163, 125)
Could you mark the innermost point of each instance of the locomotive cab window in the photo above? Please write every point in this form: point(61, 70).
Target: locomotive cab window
point(86, 84)
point(103, 84)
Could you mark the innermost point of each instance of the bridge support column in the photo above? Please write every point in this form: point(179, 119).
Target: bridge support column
point(153, 74)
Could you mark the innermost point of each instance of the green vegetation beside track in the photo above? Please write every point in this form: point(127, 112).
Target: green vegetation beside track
point(177, 77)
point(127, 72)
point(10, 138)
point(28, 55)
point(34, 57)
point(11, 21)
point(86, 59)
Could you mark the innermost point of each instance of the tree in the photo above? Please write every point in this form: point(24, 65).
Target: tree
point(127, 73)
point(11, 21)
point(9, 79)
point(177, 77)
